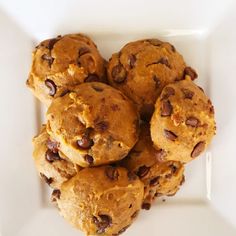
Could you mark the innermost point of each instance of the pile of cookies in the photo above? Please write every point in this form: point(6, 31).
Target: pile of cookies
point(118, 133)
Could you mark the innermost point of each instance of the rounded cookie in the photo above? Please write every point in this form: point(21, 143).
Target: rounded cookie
point(95, 124)
point(101, 200)
point(63, 62)
point(142, 68)
point(159, 177)
point(53, 166)
point(183, 121)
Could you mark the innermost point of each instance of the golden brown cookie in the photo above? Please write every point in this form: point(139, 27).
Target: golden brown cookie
point(63, 62)
point(159, 177)
point(53, 166)
point(95, 124)
point(101, 200)
point(183, 122)
point(142, 68)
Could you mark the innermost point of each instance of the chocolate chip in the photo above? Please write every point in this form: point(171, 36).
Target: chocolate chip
point(52, 156)
point(164, 61)
point(170, 135)
point(130, 205)
point(143, 171)
point(112, 173)
point(190, 72)
point(102, 222)
point(167, 92)
point(88, 159)
point(46, 179)
point(102, 126)
point(52, 145)
point(173, 168)
point(199, 147)
point(154, 42)
point(172, 48)
point(134, 215)
point(146, 206)
point(157, 81)
point(121, 231)
point(48, 58)
point(92, 78)
point(201, 89)
point(160, 155)
point(188, 94)
point(118, 73)
point(51, 86)
point(52, 42)
point(65, 92)
point(97, 88)
point(166, 108)
point(132, 60)
point(56, 194)
point(192, 121)
point(85, 142)
point(83, 51)
point(131, 176)
point(154, 181)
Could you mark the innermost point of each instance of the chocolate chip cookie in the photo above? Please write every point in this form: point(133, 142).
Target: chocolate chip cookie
point(101, 200)
point(94, 124)
point(160, 177)
point(142, 68)
point(53, 166)
point(183, 122)
point(63, 62)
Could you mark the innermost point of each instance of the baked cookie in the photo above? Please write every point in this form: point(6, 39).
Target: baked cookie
point(101, 200)
point(159, 177)
point(63, 62)
point(142, 68)
point(95, 124)
point(53, 166)
point(183, 122)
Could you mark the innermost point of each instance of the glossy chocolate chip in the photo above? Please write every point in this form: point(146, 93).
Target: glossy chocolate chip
point(131, 176)
point(190, 72)
point(83, 51)
point(52, 42)
point(52, 145)
point(170, 135)
point(131, 60)
point(112, 173)
point(97, 88)
point(143, 171)
point(56, 194)
point(88, 159)
point(188, 94)
point(46, 179)
point(164, 61)
point(192, 121)
point(121, 231)
point(48, 58)
point(167, 92)
point(154, 181)
point(157, 81)
point(51, 86)
point(166, 108)
point(102, 222)
point(92, 78)
point(51, 156)
point(85, 142)
point(199, 147)
point(118, 73)
point(146, 206)
point(172, 48)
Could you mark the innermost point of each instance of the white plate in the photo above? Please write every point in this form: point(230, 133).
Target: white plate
point(204, 31)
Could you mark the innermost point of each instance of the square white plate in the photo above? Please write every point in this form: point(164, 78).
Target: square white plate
point(204, 31)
